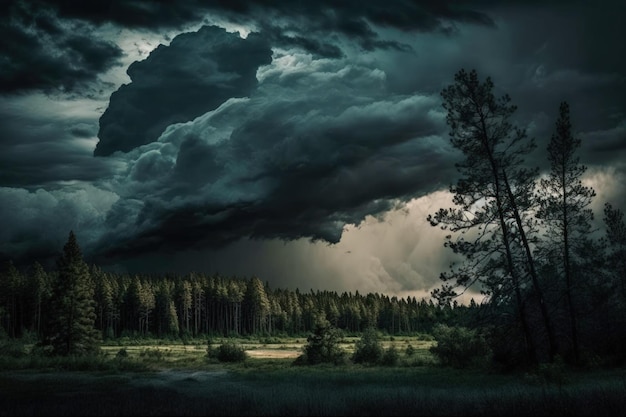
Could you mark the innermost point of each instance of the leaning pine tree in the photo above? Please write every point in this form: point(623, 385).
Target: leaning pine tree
point(493, 199)
point(71, 321)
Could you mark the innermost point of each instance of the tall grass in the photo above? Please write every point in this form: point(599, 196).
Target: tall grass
point(184, 381)
point(317, 391)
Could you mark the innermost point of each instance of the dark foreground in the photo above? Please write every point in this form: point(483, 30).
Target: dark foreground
point(317, 392)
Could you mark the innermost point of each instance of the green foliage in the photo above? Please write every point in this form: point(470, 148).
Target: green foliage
point(270, 341)
point(227, 352)
point(12, 348)
point(154, 354)
point(460, 347)
point(71, 325)
point(390, 357)
point(409, 351)
point(369, 348)
point(122, 353)
point(322, 346)
point(549, 373)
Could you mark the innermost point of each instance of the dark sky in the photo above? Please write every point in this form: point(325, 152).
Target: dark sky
point(302, 142)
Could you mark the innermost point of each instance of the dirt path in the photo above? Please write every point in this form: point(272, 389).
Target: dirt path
point(273, 353)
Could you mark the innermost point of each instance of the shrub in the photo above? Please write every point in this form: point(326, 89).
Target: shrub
point(122, 353)
point(368, 349)
point(322, 346)
point(12, 348)
point(460, 347)
point(154, 354)
point(410, 350)
point(228, 352)
point(390, 357)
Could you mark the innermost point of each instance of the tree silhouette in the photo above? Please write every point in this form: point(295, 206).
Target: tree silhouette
point(564, 206)
point(493, 198)
point(615, 241)
point(71, 321)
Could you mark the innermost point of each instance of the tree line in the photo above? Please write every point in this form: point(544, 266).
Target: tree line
point(555, 283)
point(194, 305)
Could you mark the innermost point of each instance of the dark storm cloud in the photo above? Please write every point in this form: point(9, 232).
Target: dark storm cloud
point(38, 51)
point(342, 125)
point(47, 44)
point(344, 16)
point(36, 223)
point(46, 140)
point(320, 144)
point(196, 73)
point(129, 13)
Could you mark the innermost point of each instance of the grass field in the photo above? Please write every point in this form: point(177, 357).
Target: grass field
point(178, 379)
point(193, 353)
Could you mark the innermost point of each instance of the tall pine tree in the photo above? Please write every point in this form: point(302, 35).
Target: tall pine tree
point(565, 208)
point(493, 197)
point(71, 321)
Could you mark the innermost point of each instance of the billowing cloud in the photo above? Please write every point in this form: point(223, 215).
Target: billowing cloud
point(313, 145)
point(320, 144)
point(81, 207)
point(196, 73)
point(47, 140)
point(42, 52)
point(51, 48)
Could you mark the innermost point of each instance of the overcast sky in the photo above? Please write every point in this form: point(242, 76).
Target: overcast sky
point(301, 142)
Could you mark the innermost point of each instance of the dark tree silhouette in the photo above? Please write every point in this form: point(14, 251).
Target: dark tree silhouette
point(71, 320)
point(493, 198)
point(615, 241)
point(564, 207)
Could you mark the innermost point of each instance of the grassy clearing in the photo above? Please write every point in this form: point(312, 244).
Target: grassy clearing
point(178, 379)
point(283, 350)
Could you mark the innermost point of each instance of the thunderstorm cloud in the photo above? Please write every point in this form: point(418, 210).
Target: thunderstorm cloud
point(304, 142)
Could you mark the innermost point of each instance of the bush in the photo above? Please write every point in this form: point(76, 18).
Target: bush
point(154, 354)
point(410, 350)
point(390, 357)
point(121, 354)
point(460, 347)
point(228, 352)
point(368, 349)
point(322, 346)
point(12, 348)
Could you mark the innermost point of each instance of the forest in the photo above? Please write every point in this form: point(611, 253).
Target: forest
point(553, 278)
point(199, 305)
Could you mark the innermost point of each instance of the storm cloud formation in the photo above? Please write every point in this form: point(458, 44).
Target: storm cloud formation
point(196, 73)
point(48, 46)
point(263, 137)
point(319, 144)
point(40, 51)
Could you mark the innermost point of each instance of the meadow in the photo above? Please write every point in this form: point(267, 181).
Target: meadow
point(144, 377)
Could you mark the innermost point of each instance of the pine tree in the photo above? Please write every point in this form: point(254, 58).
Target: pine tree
point(615, 242)
point(565, 209)
point(493, 198)
point(256, 306)
point(71, 323)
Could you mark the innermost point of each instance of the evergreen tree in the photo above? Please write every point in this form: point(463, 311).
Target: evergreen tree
point(322, 345)
point(39, 290)
point(493, 199)
point(615, 242)
point(256, 306)
point(71, 323)
point(369, 348)
point(564, 206)
point(611, 287)
point(11, 289)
